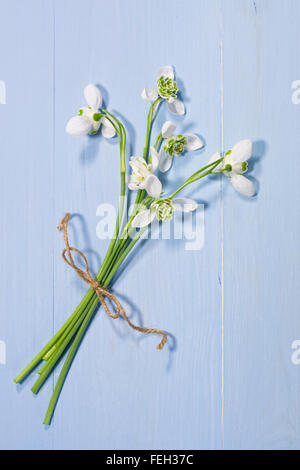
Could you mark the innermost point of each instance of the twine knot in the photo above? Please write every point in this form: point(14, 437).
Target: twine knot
point(96, 286)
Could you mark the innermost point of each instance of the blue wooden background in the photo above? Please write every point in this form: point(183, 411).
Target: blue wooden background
point(227, 378)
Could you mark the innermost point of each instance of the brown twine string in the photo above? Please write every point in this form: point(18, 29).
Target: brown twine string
point(101, 291)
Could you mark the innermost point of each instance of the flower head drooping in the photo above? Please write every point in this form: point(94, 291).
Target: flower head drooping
point(175, 145)
point(167, 89)
point(89, 119)
point(235, 164)
point(142, 176)
point(163, 209)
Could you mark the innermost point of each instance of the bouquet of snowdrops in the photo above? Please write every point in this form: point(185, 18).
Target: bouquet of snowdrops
point(150, 203)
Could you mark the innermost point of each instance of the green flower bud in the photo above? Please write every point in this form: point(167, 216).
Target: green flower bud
point(96, 117)
point(228, 167)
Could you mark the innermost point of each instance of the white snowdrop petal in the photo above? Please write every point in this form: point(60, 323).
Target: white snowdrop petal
point(131, 183)
point(132, 186)
point(165, 161)
point(93, 96)
point(243, 185)
point(193, 142)
point(139, 166)
point(153, 186)
point(184, 204)
point(241, 151)
point(214, 158)
point(166, 71)
point(168, 129)
point(176, 106)
point(107, 129)
point(149, 94)
point(79, 125)
point(154, 159)
point(143, 219)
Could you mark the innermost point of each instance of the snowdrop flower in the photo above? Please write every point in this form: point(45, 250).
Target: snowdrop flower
point(142, 176)
point(235, 164)
point(89, 120)
point(163, 209)
point(166, 89)
point(175, 145)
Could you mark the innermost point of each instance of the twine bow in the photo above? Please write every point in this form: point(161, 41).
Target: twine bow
point(101, 291)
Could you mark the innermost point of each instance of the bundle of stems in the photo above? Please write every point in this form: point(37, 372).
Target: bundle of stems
point(121, 244)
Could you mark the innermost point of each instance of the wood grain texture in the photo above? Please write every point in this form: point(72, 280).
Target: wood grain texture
point(26, 49)
point(130, 395)
point(231, 308)
point(261, 261)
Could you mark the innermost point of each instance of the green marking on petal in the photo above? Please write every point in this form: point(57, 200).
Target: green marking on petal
point(175, 145)
point(80, 112)
point(244, 166)
point(167, 88)
point(163, 209)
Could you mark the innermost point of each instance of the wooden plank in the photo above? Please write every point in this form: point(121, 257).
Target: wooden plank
point(121, 392)
point(26, 233)
point(261, 259)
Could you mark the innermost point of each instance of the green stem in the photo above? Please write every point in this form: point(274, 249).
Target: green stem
point(81, 333)
point(47, 351)
point(81, 317)
point(141, 192)
point(66, 332)
point(68, 362)
point(196, 176)
point(38, 358)
point(158, 141)
point(120, 245)
point(122, 136)
point(120, 260)
point(49, 365)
